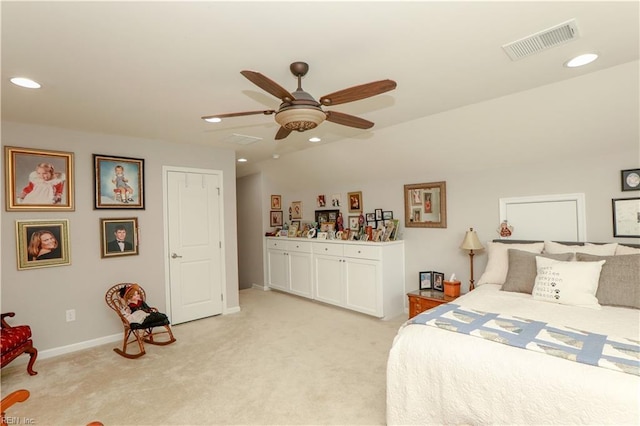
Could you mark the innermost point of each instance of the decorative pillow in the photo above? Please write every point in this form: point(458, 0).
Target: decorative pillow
point(567, 283)
point(597, 249)
point(522, 271)
point(619, 283)
point(626, 250)
point(498, 261)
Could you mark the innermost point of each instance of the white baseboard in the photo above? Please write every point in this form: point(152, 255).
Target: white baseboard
point(261, 287)
point(50, 353)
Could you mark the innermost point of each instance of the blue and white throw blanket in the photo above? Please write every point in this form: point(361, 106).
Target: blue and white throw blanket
point(620, 354)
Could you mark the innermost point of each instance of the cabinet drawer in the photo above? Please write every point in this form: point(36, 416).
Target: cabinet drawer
point(362, 251)
point(328, 248)
point(277, 244)
point(299, 246)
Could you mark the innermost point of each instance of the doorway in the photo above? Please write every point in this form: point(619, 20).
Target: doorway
point(193, 243)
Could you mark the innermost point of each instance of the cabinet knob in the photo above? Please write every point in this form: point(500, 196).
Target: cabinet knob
point(325, 249)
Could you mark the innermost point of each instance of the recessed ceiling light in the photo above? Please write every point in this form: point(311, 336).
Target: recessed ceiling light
point(314, 139)
point(213, 120)
point(581, 60)
point(25, 82)
point(276, 156)
point(242, 160)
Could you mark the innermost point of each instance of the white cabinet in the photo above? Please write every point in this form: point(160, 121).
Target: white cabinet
point(289, 266)
point(361, 276)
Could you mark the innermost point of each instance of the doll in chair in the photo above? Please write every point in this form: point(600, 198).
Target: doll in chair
point(136, 309)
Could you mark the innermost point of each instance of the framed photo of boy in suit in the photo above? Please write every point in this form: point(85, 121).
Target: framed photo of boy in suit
point(118, 237)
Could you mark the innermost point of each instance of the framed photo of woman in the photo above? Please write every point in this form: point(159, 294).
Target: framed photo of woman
point(118, 182)
point(42, 243)
point(38, 179)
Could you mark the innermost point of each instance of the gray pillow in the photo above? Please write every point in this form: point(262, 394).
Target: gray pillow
point(619, 283)
point(522, 272)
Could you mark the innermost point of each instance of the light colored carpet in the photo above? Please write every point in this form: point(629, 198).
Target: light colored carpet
point(281, 360)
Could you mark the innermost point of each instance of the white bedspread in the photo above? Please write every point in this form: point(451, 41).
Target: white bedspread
point(437, 376)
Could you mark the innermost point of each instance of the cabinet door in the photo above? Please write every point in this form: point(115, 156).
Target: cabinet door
point(278, 269)
point(362, 284)
point(300, 278)
point(328, 279)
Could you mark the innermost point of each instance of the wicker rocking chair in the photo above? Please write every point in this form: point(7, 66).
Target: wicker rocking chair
point(137, 332)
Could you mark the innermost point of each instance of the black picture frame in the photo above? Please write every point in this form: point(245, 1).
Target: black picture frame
point(425, 280)
point(387, 215)
point(626, 217)
point(326, 215)
point(378, 213)
point(630, 179)
point(118, 182)
point(438, 281)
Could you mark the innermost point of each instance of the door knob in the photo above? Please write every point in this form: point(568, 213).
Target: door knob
point(175, 256)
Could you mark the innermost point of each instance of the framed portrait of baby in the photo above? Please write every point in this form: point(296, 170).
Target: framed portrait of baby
point(118, 182)
point(42, 243)
point(38, 179)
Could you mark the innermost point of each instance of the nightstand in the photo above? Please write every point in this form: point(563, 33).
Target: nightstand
point(421, 300)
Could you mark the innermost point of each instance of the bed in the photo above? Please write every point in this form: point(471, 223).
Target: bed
point(436, 375)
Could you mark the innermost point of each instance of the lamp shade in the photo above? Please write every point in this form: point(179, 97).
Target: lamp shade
point(471, 241)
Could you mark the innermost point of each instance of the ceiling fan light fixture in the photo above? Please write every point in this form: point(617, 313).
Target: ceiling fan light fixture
point(213, 119)
point(300, 119)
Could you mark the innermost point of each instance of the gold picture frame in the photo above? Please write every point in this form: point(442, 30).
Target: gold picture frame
point(425, 205)
point(42, 243)
point(37, 179)
point(276, 202)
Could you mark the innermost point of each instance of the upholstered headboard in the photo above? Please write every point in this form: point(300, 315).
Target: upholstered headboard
point(570, 243)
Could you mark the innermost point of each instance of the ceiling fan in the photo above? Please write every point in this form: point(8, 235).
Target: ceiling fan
point(300, 111)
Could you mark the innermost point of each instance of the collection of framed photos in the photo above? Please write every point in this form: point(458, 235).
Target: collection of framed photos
point(43, 180)
point(429, 280)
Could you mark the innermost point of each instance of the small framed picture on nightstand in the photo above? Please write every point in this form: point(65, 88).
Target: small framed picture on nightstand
point(438, 281)
point(426, 280)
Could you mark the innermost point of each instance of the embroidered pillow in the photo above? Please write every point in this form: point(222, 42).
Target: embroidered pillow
point(567, 283)
point(522, 272)
point(619, 283)
point(498, 260)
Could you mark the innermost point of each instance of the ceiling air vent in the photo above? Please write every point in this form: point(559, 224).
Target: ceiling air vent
point(238, 139)
point(542, 40)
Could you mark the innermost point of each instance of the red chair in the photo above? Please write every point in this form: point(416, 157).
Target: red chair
point(15, 341)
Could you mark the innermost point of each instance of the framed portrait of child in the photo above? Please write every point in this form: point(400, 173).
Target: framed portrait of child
point(38, 179)
point(118, 182)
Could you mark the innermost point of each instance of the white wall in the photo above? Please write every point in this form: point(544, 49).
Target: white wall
point(570, 137)
point(250, 231)
point(40, 297)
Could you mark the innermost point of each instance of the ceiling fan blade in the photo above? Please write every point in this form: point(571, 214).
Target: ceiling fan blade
point(268, 85)
point(282, 133)
point(348, 120)
point(358, 92)
point(238, 114)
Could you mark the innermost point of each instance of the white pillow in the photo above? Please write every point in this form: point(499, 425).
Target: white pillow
point(498, 261)
point(622, 250)
point(552, 247)
point(567, 283)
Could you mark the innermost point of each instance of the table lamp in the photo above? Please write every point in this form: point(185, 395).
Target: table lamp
point(471, 243)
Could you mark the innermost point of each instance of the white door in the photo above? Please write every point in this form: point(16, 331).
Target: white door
point(278, 274)
point(196, 267)
point(328, 278)
point(300, 279)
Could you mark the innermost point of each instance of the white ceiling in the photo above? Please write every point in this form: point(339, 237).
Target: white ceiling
point(152, 69)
